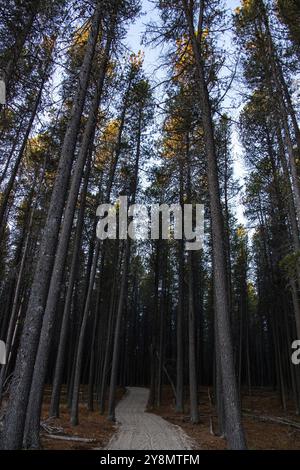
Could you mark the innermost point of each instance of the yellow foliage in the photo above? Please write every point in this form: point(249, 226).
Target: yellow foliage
point(81, 36)
point(107, 143)
point(173, 143)
point(36, 147)
point(137, 60)
point(111, 130)
point(241, 232)
point(185, 54)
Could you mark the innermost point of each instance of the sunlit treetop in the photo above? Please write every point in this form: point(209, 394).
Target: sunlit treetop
point(137, 60)
point(184, 55)
point(107, 143)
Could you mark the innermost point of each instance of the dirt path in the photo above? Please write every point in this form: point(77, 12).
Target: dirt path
point(143, 431)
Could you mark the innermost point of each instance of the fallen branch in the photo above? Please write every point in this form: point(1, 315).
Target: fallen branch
point(70, 438)
point(49, 429)
point(274, 419)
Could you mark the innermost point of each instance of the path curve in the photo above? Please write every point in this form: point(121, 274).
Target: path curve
point(143, 431)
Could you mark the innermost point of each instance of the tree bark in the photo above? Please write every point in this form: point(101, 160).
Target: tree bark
point(35, 401)
point(116, 348)
point(14, 422)
point(234, 430)
point(11, 181)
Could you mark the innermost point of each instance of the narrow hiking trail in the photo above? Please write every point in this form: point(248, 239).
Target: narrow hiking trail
point(142, 431)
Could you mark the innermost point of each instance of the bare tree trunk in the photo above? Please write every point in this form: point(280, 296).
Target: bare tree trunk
point(79, 355)
point(293, 227)
point(180, 312)
point(18, 47)
point(105, 368)
point(284, 108)
point(116, 348)
point(12, 436)
point(12, 151)
point(285, 98)
point(162, 314)
point(234, 430)
point(59, 368)
point(15, 307)
point(11, 181)
point(194, 412)
point(76, 385)
point(92, 365)
point(36, 396)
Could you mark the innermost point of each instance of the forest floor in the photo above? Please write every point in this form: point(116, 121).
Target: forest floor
point(142, 431)
point(261, 435)
point(263, 404)
point(94, 431)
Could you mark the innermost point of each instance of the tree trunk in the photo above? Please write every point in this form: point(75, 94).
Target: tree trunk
point(116, 348)
point(15, 168)
point(36, 396)
point(194, 412)
point(180, 312)
point(15, 307)
point(234, 430)
point(14, 421)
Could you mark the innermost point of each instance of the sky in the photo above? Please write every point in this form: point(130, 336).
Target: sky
point(152, 59)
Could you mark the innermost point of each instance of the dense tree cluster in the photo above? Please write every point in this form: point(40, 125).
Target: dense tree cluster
point(82, 126)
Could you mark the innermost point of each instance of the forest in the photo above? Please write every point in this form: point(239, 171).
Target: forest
point(212, 335)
